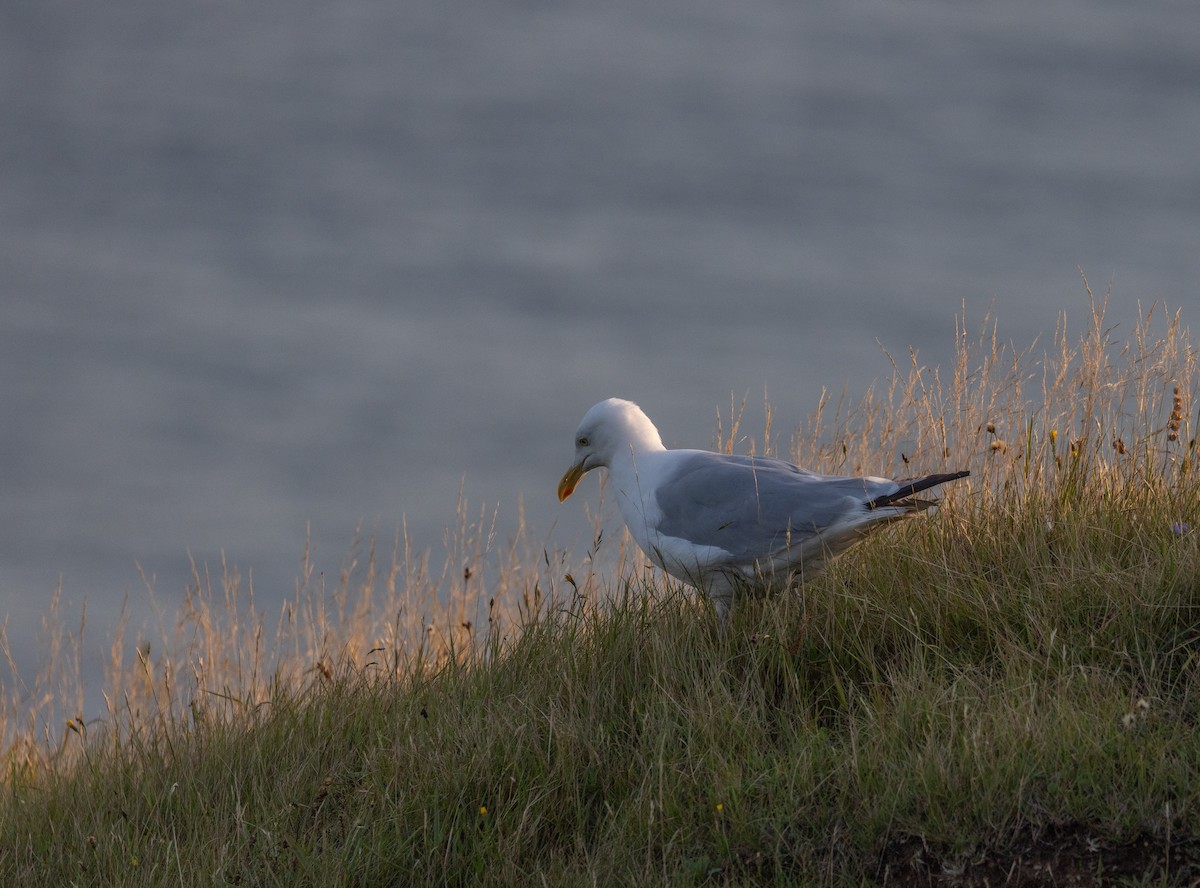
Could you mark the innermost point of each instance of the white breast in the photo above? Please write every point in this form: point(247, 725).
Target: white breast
point(634, 481)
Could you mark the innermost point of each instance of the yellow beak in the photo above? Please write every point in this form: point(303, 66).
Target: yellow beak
point(567, 485)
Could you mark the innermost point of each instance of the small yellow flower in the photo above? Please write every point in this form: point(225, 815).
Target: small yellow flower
point(133, 861)
point(720, 807)
point(483, 810)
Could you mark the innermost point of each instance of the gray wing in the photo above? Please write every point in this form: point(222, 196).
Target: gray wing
point(752, 507)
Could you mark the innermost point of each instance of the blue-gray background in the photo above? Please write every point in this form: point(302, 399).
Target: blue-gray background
point(277, 263)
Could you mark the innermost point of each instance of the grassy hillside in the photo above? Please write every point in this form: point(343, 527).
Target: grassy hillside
point(1003, 691)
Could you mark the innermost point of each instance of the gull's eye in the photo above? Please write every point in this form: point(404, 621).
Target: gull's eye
point(583, 441)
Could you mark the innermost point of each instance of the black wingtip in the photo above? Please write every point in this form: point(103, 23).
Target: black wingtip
point(910, 488)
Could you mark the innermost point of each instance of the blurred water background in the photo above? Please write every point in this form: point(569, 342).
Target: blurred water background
point(278, 265)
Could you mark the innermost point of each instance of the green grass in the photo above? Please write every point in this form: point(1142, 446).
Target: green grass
point(1005, 690)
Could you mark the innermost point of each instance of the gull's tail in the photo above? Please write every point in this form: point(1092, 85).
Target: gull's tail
point(911, 487)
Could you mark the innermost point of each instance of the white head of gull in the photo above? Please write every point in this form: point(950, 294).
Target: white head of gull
point(723, 523)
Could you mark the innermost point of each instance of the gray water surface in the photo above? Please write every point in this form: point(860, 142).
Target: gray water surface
point(271, 265)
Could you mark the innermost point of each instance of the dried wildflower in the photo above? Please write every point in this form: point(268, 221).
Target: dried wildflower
point(1140, 710)
point(991, 428)
point(1119, 445)
point(998, 447)
point(1176, 416)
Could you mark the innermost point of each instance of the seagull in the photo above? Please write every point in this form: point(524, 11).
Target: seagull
point(724, 523)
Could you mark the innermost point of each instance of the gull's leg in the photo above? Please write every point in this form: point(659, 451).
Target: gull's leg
point(721, 593)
